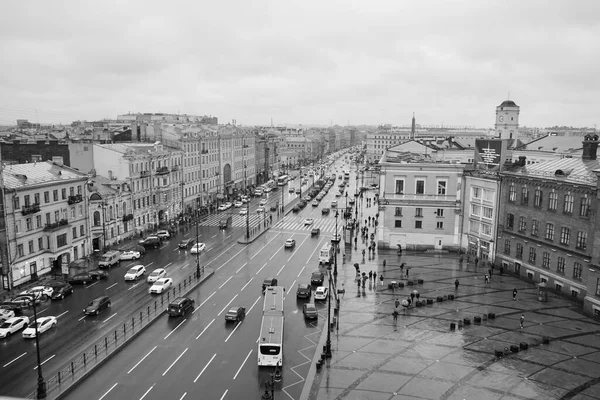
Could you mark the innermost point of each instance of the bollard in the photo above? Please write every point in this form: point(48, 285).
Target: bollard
point(545, 340)
point(132, 322)
point(115, 336)
point(95, 351)
point(467, 321)
point(168, 294)
point(514, 348)
point(106, 342)
point(499, 353)
point(72, 368)
point(492, 315)
point(84, 362)
point(460, 324)
point(184, 283)
point(319, 364)
point(124, 329)
point(485, 317)
point(149, 310)
point(59, 377)
point(155, 306)
point(161, 300)
point(477, 320)
point(450, 297)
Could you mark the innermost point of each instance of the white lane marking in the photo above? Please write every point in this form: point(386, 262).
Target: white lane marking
point(109, 318)
point(166, 266)
point(147, 265)
point(262, 248)
point(228, 304)
point(177, 359)
point(224, 394)
point(185, 266)
point(261, 268)
point(234, 329)
point(10, 362)
point(108, 391)
point(290, 289)
point(174, 329)
point(93, 284)
point(82, 318)
point(294, 252)
point(60, 315)
point(238, 271)
point(206, 366)
point(225, 282)
point(228, 237)
point(234, 256)
point(314, 251)
point(43, 311)
point(244, 362)
point(162, 247)
point(225, 251)
point(183, 396)
point(143, 358)
point(113, 285)
point(274, 254)
point(201, 304)
point(300, 273)
point(147, 391)
point(204, 330)
point(250, 309)
point(214, 236)
point(133, 286)
point(280, 270)
point(48, 359)
point(246, 284)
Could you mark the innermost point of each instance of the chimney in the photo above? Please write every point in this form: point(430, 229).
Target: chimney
point(110, 174)
point(590, 147)
point(58, 160)
point(522, 161)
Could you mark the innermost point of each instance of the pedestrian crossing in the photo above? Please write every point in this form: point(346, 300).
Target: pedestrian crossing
point(237, 220)
point(297, 224)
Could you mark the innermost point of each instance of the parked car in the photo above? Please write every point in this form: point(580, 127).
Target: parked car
point(235, 314)
point(185, 243)
point(109, 259)
point(150, 241)
point(262, 202)
point(228, 205)
point(291, 190)
point(315, 231)
point(41, 292)
point(97, 305)
point(325, 211)
point(317, 278)
point(161, 285)
point(238, 204)
point(295, 209)
point(180, 306)
point(82, 278)
point(298, 191)
point(321, 293)
point(13, 325)
point(222, 207)
point(96, 274)
point(130, 255)
point(6, 314)
point(290, 243)
point(310, 311)
point(25, 300)
point(163, 235)
point(260, 210)
point(155, 275)
point(243, 211)
point(198, 248)
point(10, 306)
point(303, 291)
point(43, 324)
point(60, 292)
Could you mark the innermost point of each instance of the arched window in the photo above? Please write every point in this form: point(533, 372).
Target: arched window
point(124, 208)
point(97, 218)
point(110, 213)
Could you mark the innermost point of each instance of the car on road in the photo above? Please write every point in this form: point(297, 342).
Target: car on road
point(310, 311)
point(135, 272)
point(222, 207)
point(97, 305)
point(315, 203)
point(6, 314)
point(157, 274)
point(262, 202)
point(198, 248)
point(228, 205)
point(244, 211)
point(235, 314)
point(306, 198)
point(82, 278)
point(309, 221)
point(260, 210)
point(325, 211)
point(321, 293)
point(269, 282)
point(180, 306)
point(296, 209)
point(290, 243)
point(351, 201)
point(315, 232)
point(150, 241)
point(13, 325)
point(163, 235)
point(43, 324)
point(298, 191)
point(161, 285)
point(185, 243)
point(338, 194)
point(238, 204)
point(303, 291)
point(245, 199)
point(292, 190)
point(42, 292)
point(317, 278)
point(96, 274)
point(301, 204)
point(60, 292)
point(130, 255)
point(336, 238)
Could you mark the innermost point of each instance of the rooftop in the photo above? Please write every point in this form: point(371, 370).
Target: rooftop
point(17, 176)
point(573, 170)
point(554, 144)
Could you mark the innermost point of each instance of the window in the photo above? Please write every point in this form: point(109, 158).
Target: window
point(26, 200)
point(55, 195)
point(581, 240)
point(56, 216)
point(488, 212)
point(510, 221)
point(549, 231)
point(31, 248)
point(560, 265)
point(577, 268)
point(476, 193)
point(420, 186)
point(46, 197)
point(440, 212)
point(71, 191)
point(40, 244)
point(29, 224)
point(568, 205)
point(507, 246)
point(522, 224)
point(519, 250)
point(524, 195)
point(81, 231)
point(512, 193)
point(74, 232)
point(565, 235)
point(398, 211)
point(475, 210)
point(20, 250)
point(63, 193)
point(418, 212)
point(38, 221)
point(398, 223)
point(48, 219)
point(584, 207)
point(597, 286)
point(399, 186)
point(535, 227)
point(486, 229)
point(553, 201)
point(546, 260)
point(538, 197)
point(36, 198)
point(61, 240)
point(73, 213)
point(418, 224)
point(16, 203)
point(441, 187)
point(532, 255)
point(440, 225)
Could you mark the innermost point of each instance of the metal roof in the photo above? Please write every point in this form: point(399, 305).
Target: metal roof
point(17, 176)
point(574, 170)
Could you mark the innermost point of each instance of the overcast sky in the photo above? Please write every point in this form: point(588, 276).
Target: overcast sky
point(302, 62)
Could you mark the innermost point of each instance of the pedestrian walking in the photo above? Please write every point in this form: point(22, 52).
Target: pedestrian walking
point(395, 314)
point(476, 261)
point(412, 296)
point(486, 278)
point(397, 302)
point(380, 280)
point(370, 275)
point(522, 320)
point(490, 272)
point(383, 263)
point(515, 294)
point(456, 283)
point(407, 269)
point(375, 277)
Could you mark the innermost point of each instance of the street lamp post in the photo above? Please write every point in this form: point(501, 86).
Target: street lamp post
point(248, 218)
point(337, 244)
point(328, 343)
point(282, 200)
point(197, 252)
point(41, 383)
point(103, 206)
point(275, 377)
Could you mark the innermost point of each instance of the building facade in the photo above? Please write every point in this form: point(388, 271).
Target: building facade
point(507, 120)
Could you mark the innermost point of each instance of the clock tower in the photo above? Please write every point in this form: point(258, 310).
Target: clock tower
point(507, 120)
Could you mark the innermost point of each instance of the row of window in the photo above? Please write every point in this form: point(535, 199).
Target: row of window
point(546, 259)
point(478, 193)
point(538, 198)
point(418, 224)
point(27, 200)
point(43, 243)
point(439, 213)
point(420, 186)
point(550, 229)
point(36, 222)
point(151, 165)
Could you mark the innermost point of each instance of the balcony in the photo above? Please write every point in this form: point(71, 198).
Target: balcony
point(162, 170)
point(144, 173)
point(127, 217)
point(204, 152)
point(75, 199)
point(175, 168)
point(57, 225)
point(30, 209)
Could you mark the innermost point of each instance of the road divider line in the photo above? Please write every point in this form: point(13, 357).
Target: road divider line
point(162, 247)
point(113, 285)
point(247, 284)
point(294, 252)
point(183, 396)
point(185, 266)
point(234, 329)
point(43, 311)
point(166, 266)
point(177, 359)
point(314, 251)
point(146, 266)
point(262, 248)
point(82, 318)
point(204, 330)
point(109, 318)
point(300, 273)
point(224, 394)
point(44, 362)
point(225, 251)
point(261, 268)
point(290, 289)
point(147, 391)
point(15, 359)
point(281, 269)
point(108, 391)
point(228, 237)
point(234, 256)
point(274, 254)
point(228, 304)
point(225, 282)
point(93, 284)
point(201, 304)
point(174, 329)
point(61, 314)
point(238, 271)
point(133, 286)
point(214, 236)
point(143, 358)
point(250, 309)
point(244, 362)
point(206, 366)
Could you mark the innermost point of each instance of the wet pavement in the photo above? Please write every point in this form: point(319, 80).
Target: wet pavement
point(420, 357)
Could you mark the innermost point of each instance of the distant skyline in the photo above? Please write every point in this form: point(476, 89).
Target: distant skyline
point(450, 62)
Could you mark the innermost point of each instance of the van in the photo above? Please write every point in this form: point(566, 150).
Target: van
point(150, 241)
point(109, 259)
point(326, 254)
point(225, 223)
point(269, 282)
point(180, 306)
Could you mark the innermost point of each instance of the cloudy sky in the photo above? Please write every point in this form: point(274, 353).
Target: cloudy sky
point(302, 62)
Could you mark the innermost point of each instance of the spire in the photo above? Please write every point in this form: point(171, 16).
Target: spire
point(412, 129)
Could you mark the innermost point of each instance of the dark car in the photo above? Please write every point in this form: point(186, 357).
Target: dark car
point(303, 292)
point(302, 204)
point(317, 278)
point(180, 306)
point(269, 282)
point(9, 305)
point(96, 274)
point(25, 300)
point(315, 232)
point(296, 209)
point(273, 207)
point(97, 305)
point(235, 314)
point(185, 243)
point(81, 278)
point(325, 211)
point(151, 241)
point(310, 311)
point(60, 292)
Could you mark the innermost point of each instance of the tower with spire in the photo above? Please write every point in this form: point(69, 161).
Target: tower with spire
point(413, 128)
point(507, 120)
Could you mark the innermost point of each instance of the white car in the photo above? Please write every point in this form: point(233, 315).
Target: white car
point(156, 275)
point(163, 234)
point(309, 221)
point(130, 255)
point(260, 209)
point(6, 314)
point(243, 211)
point(13, 325)
point(321, 293)
point(238, 204)
point(161, 285)
point(198, 248)
point(43, 324)
point(268, 189)
point(245, 199)
point(262, 202)
point(228, 205)
point(135, 272)
point(222, 207)
point(315, 203)
point(40, 292)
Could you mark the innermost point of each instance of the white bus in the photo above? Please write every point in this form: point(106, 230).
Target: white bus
point(282, 180)
point(270, 343)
